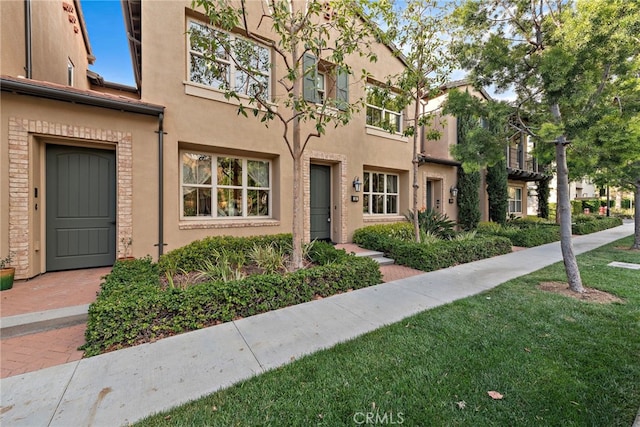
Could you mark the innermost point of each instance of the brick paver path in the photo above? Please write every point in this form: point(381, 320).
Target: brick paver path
point(51, 290)
point(42, 350)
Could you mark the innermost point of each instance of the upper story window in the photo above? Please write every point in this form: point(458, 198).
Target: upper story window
point(383, 110)
point(380, 193)
point(223, 187)
point(324, 83)
point(244, 68)
point(515, 200)
point(70, 72)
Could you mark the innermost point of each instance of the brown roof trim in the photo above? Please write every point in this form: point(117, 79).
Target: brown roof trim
point(85, 32)
point(57, 92)
point(427, 159)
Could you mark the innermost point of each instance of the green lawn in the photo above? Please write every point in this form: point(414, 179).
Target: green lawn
point(556, 360)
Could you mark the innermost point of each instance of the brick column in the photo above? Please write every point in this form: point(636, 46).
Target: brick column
point(19, 165)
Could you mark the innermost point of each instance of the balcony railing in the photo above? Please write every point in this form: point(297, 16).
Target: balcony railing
point(517, 159)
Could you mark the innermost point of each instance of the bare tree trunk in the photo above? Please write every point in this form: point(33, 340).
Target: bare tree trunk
point(416, 186)
point(298, 191)
point(564, 216)
point(636, 216)
point(298, 208)
point(564, 210)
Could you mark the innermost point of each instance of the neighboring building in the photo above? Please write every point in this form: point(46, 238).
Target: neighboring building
point(578, 190)
point(439, 168)
point(94, 165)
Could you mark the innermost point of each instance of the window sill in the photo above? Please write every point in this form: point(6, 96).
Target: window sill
point(225, 223)
point(206, 92)
point(383, 218)
point(384, 134)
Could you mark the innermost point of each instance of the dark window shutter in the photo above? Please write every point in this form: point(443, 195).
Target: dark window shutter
point(310, 69)
point(342, 92)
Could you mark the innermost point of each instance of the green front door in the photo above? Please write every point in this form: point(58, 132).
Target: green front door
point(81, 207)
point(320, 202)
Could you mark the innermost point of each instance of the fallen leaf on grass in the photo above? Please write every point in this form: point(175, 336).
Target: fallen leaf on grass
point(462, 404)
point(495, 395)
point(528, 350)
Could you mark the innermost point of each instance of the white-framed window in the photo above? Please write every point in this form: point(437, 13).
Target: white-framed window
point(70, 72)
point(380, 193)
point(383, 110)
point(321, 87)
point(324, 83)
point(515, 200)
point(239, 188)
point(245, 70)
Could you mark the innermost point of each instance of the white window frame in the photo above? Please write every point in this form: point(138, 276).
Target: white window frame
point(321, 87)
point(226, 61)
point(514, 202)
point(383, 113)
point(214, 186)
point(385, 193)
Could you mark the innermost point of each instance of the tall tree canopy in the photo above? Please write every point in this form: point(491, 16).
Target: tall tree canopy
point(559, 57)
point(416, 27)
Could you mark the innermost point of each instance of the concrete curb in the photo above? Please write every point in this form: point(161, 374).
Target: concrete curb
point(31, 323)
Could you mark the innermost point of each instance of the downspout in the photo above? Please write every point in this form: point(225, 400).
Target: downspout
point(161, 243)
point(27, 36)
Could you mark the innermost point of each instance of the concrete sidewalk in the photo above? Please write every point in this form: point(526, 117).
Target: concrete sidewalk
point(124, 386)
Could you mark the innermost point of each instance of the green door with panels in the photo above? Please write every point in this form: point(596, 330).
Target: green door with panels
point(81, 207)
point(320, 202)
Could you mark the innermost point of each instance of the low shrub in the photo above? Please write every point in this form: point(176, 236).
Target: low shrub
point(133, 308)
point(433, 222)
point(594, 224)
point(447, 253)
point(191, 257)
point(523, 232)
point(433, 255)
point(377, 237)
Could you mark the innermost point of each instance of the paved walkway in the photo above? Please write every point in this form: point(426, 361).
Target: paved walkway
point(41, 298)
point(124, 386)
point(60, 298)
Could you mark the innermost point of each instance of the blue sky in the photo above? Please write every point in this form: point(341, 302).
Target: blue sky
point(108, 39)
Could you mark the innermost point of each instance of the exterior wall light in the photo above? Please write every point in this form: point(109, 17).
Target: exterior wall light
point(454, 191)
point(357, 184)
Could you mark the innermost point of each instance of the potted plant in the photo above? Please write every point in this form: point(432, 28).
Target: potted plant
point(126, 244)
point(6, 273)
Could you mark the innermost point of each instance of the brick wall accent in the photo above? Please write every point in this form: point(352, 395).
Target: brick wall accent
point(20, 163)
point(338, 161)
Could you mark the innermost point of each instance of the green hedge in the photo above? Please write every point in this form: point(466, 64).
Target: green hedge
point(447, 253)
point(594, 223)
point(428, 257)
point(377, 237)
point(132, 308)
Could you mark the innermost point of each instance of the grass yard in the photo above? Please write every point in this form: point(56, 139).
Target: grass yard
point(556, 360)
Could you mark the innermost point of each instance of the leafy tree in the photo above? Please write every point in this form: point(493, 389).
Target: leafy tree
point(468, 199)
point(615, 140)
point(559, 58)
point(497, 191)
point(482, 138)
point(416, 27)
point(302, 38)
point(543, 197)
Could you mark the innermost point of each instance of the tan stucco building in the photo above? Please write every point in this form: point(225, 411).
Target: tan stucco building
point(92, 170)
